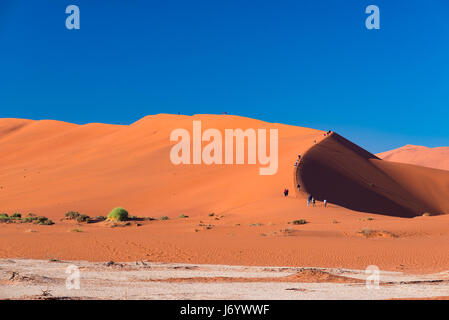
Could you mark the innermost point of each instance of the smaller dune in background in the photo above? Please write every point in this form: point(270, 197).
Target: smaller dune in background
point(437, 158)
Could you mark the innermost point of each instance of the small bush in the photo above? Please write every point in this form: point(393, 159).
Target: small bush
point(4, 215)
point(71, 215)
point(29, 219)
point(44, 221)
point(299, 221)
point(16, 215)
point(83, 218)
point(368, 232)
point(77, 230)
point(163, 218)
point(100, 218)
point(118, 214)
point(211, 214)
point(183, 216)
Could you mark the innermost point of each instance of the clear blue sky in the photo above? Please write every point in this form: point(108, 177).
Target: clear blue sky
point(306, 63)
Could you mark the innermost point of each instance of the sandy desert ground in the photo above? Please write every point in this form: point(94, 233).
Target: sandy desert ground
point(374, 217)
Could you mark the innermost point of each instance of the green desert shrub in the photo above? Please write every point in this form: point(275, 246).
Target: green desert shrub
point(183, 216)
point(30, 217)
point(163, 218)
point(118, 214)
point(299, 221)
point(16, 215)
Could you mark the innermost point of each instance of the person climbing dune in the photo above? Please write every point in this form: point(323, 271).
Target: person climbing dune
point(309, 199)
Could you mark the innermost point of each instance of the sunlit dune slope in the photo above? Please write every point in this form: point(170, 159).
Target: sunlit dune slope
point(342, 173)
point(437, 158)
point(49, 167)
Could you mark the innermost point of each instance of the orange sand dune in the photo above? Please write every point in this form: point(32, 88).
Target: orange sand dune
point(51, 167)
point(437, 158)
point(342, 173)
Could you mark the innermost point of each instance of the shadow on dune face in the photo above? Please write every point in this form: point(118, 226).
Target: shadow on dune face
point(342, 173)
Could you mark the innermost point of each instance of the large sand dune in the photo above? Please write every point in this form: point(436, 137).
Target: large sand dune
point(342, 173)
point(437, 158)
point(49, 167)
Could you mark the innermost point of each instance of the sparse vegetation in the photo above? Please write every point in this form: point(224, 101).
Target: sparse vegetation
point(299, 221)
point(17, 218)
point(78, 217)
point(72, 215)
point(118, 214)
point(29, 218)
point(44, 221)
point(369, 233)
point(163, 218)
point(183, 216)
point(77, 230)
point(83, 218)
point(211, 214)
